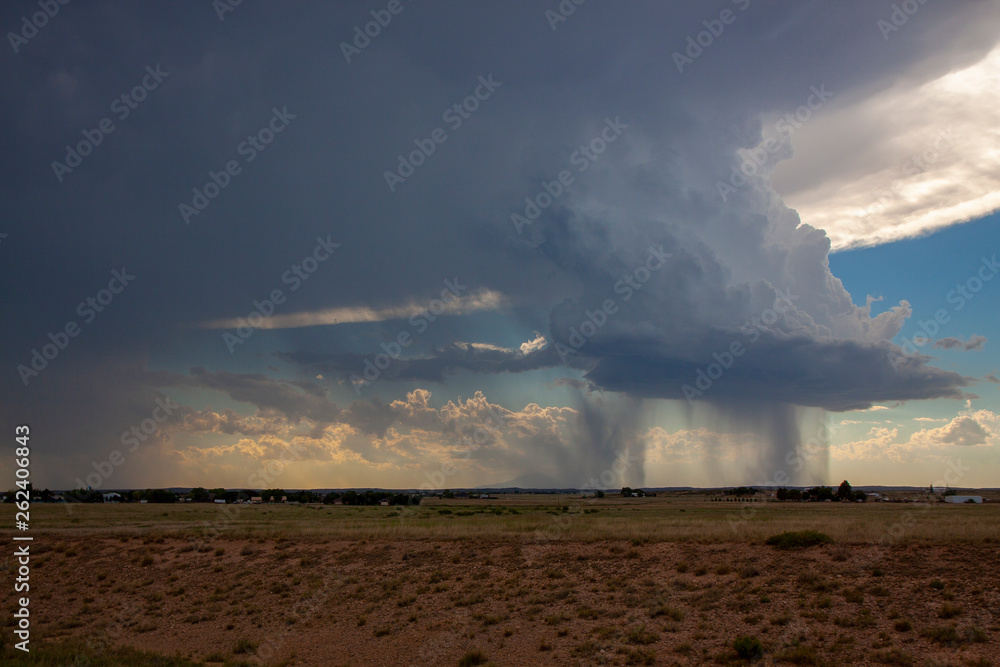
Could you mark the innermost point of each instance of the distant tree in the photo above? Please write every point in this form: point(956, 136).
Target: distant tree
point(11, 496)
point(859, 496)
point(640, 493)
point(301, 497)
point(161, 496)
point(598, 494)
point(83, 496)
point(626, 492)
point(275, 495)
point(448, 493)
point(233, 495)
point(794, 494)
point(819, 493)
point(781, 494)
point(199, 495)
point(844, 491)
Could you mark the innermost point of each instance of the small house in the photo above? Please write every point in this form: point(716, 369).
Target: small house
point(384, 502)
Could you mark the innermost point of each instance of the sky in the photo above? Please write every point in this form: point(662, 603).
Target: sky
point(438, 245)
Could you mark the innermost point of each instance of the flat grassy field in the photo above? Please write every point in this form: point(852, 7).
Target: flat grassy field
point(521, 580)
point(664, 518)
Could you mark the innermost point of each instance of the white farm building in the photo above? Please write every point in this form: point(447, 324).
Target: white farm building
point(963, 499)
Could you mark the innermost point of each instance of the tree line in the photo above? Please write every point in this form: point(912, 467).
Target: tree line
point(843, 493)
point(203, 495)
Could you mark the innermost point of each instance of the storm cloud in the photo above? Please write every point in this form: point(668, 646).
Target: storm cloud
point(590, 133)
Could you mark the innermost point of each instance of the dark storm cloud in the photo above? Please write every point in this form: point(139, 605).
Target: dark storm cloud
point(323, 174)
point(836, 375)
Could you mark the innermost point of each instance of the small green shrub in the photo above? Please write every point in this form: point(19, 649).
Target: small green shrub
point(894, 657)
point(471, 659)
point(640, 656)
point(800, 655)
point(244, 646)
point(948, 610)
point(672, 613)
point(640, 635)
point(941, 635)
point(748, 648)
point(798, 539)
point(854, 595)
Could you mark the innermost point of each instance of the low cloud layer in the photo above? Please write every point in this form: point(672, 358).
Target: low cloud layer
point(971, 428)
point(975, 342)
point(469, 439)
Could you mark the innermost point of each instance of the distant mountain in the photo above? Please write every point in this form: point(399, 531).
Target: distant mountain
point(528, 481)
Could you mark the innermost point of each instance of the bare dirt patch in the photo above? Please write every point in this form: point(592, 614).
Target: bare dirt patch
point(513, 602)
